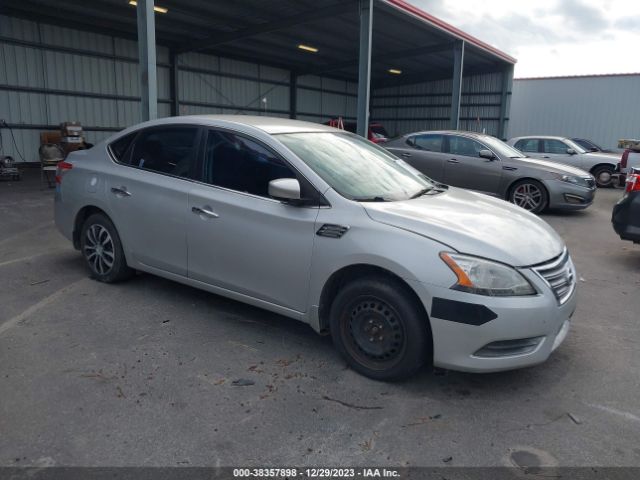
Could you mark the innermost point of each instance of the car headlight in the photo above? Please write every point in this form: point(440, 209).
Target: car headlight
point(571, 179)
point(484, 277)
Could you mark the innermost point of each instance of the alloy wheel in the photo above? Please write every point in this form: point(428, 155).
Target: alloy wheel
point(99, 249)
point(527, 196)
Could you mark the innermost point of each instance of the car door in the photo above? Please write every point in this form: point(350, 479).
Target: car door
point(148, 195)
point(466, 169)
point(556, 151)
point(424, 152)
point(239, 238)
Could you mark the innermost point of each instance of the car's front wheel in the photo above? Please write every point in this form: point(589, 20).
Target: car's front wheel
point(530, 195)
point(380, 329)
point(102, 250)
point(604, 175)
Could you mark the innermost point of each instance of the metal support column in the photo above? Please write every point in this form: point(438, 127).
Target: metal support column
point(364, 66)
point(293, 95)
point(507, 85)
point(174, 89)
point(456, 89)
point(147, 59)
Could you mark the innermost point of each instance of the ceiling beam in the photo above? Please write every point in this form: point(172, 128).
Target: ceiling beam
point(405, 53)
point(282, 23)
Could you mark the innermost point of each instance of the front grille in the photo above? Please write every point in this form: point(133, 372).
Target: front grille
point(559, 275)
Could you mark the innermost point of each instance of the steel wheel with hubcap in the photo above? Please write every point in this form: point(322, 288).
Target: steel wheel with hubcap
point(604, 175)
point(374, 333)
point(530, 195)
point(100, 245)
point(380, 328)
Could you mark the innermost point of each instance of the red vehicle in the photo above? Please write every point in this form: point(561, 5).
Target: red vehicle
point(375, 134)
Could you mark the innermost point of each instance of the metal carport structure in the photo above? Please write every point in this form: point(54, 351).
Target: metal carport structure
point(447, 78)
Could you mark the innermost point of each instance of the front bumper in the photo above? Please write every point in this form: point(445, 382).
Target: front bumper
point(567, 196)
point(456, 345)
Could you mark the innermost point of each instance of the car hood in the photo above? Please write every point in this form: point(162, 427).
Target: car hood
point(547, 166)
point(475, 224)
point(605, 157)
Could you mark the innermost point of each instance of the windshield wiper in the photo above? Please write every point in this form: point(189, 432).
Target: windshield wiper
point(421, 192)
point(371, 199)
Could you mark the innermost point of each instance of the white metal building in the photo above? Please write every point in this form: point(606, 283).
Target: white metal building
point(79, 61)
point(601, 108)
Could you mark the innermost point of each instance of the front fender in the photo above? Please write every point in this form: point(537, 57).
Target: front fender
point(405, 254)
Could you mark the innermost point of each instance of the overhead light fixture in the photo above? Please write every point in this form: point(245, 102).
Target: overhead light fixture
point(155, 7)
point(395, 71)
point(307, 48)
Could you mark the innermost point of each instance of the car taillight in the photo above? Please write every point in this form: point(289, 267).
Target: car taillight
point(624, 160)
point(63, 167)
point(633, 183)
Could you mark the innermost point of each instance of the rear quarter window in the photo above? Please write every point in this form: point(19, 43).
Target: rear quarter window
point(120, 148)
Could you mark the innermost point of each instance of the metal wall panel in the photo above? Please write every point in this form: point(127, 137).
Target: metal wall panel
point(603, 108)
point(427, 106)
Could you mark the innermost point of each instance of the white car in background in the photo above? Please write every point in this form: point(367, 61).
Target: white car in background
point(564, 150)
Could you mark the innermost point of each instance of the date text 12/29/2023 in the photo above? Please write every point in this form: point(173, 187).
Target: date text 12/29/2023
point(328, 473)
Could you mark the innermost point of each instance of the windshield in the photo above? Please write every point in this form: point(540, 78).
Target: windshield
point(575, 146)
point(501, 148)
point(356, 168)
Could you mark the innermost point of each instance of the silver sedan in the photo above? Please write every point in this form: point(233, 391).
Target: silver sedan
point(327, 228)
point(562, 150)
point(488, 165)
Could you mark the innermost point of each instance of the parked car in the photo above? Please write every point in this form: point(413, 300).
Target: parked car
point(630, 159)
point(325, 227)
point(376, 132)
point(488, 165)
point(626, 213)
point(564, 150)
point(590, 146)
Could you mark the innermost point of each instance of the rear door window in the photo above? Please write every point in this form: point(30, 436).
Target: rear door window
point(528, 145)
point(430, 143)
point(170, 150)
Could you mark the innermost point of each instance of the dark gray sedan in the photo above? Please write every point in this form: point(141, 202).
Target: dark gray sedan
point(488, 165)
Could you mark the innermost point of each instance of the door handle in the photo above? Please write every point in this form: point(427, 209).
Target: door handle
point(453, 160)
point(122, 191)
point(405, 154)
point(546, 156)
point(204, 211)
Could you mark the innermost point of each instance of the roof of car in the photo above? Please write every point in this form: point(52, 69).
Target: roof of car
point(271, 125)
point(550, 137)
point(449, 132)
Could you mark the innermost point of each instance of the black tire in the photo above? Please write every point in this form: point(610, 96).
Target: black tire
point(102, 250)
point(603, 175)
point(529, 194)
point(383, 303)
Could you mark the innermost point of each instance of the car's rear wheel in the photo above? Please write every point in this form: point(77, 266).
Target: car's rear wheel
point(530, 195)
point(380, 329)
point(604, 175)
point(102, 250)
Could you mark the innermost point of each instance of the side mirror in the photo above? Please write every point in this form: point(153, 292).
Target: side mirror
point(285, 189)
point(571, 151)
point(488, 154)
